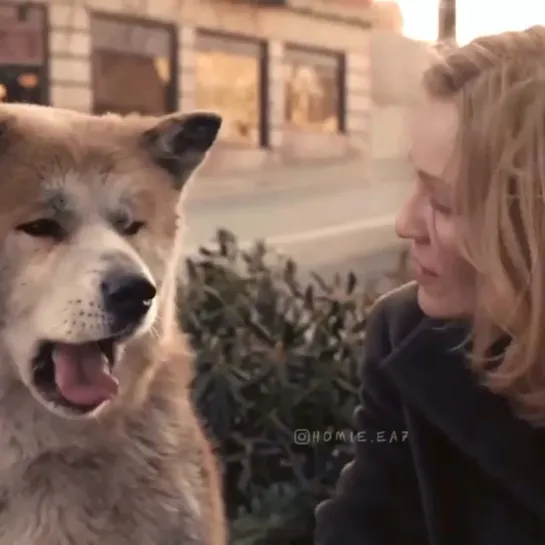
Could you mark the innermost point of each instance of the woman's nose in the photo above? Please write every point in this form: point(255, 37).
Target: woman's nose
point(410, 222)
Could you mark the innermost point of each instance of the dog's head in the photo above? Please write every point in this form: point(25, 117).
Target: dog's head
point(88, 230)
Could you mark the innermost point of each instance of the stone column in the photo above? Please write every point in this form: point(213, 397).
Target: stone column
point(358, 99)
point(276, 93)
point(186, 68)
point(70, 57)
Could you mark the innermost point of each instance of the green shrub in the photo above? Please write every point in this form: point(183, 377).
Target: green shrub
point(274, 356)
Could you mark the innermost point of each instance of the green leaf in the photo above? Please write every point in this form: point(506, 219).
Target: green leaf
point(273, 355)
point(322, 283)
point(351, 284)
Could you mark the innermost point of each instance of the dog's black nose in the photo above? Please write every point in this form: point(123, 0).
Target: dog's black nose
point(127, 297)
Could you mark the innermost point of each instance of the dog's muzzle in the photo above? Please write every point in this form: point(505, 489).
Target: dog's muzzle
point(79, 377)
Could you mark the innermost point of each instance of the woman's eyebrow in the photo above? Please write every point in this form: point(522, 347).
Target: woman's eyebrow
point(431, 180)
point(435, 184)
point(422, 173)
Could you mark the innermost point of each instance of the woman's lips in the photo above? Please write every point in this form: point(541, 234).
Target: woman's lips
point(422, 271)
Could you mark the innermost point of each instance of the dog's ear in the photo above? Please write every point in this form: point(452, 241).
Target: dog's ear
point(179, 143)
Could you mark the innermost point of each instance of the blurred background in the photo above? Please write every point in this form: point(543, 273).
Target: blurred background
point(311, 158)
point(315, 95)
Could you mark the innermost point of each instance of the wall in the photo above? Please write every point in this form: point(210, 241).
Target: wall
point(390, 131)
point(71, 84)
point(397, 64)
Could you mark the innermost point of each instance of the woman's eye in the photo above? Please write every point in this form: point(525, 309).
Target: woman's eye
point(441, 208)
point(42, 228)
point(132, 228)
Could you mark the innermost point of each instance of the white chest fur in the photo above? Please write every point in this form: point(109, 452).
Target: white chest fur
point(81, 490)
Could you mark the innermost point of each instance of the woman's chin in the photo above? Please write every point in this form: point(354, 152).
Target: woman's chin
point(438, 304)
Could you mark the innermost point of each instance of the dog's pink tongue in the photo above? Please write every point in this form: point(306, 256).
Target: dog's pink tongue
point(82, 374)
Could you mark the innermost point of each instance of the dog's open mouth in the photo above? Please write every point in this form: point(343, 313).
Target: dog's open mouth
point(76, 376)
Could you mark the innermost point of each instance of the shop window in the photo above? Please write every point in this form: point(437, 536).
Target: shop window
point(133, 66)
point(314, 90)
point(229, 80)
point(23, 53)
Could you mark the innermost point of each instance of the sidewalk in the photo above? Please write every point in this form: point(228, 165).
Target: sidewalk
point(299, 215)
point(312, 176)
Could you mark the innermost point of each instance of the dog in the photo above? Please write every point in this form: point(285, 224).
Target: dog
point(99, 441)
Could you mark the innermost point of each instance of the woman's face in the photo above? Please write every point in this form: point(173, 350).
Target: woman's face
point(446, 282)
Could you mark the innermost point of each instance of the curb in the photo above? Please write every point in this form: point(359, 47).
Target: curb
point(313, 175)
point(382, 225)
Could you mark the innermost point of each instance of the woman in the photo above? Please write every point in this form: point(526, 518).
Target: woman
point(452, 449)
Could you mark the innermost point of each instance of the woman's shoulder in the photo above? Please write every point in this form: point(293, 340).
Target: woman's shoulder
point(396, 314)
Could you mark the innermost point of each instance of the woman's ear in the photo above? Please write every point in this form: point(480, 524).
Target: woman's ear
point(179, 143)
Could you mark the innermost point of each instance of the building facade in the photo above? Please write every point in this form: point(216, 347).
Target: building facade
point(290, 77)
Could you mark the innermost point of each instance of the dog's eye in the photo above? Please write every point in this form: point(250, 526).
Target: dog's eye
point(42, 228)
point(132, 228)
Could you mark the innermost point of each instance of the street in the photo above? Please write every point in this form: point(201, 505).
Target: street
point(339, 227)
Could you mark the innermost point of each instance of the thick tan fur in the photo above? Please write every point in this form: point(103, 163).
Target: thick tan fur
point(140, 471)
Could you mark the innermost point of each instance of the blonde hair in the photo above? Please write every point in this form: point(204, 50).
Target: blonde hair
point(498, 85)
